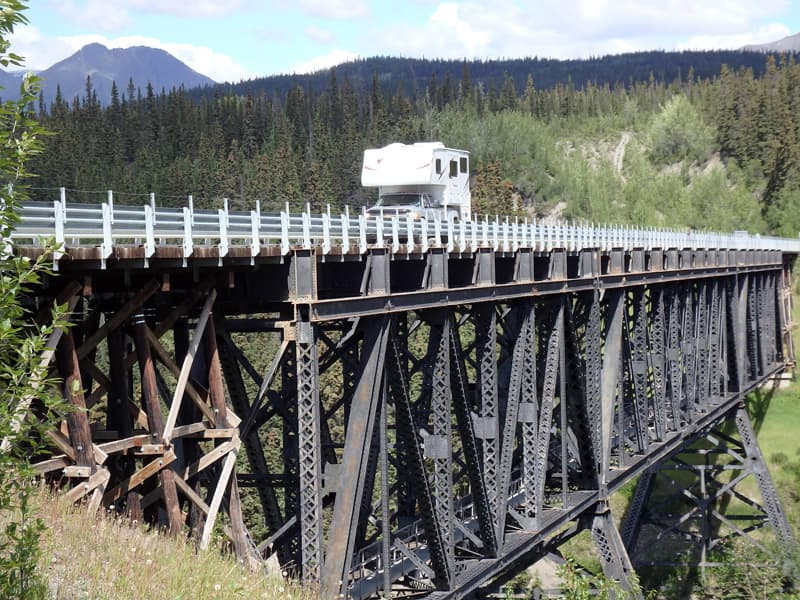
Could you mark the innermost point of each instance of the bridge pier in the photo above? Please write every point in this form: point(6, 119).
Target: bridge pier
point(692, 504)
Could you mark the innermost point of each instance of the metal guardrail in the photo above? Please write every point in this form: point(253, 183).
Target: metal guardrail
point(105, 226)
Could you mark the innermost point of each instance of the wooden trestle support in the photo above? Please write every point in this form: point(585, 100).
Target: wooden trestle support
point(400, 437)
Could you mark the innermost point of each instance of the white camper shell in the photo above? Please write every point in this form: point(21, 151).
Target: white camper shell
point(424, 179)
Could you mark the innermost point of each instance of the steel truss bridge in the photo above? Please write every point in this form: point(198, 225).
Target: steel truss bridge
point(422, 407)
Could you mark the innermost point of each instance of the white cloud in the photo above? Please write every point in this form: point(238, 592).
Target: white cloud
point(183, 8)
point(581, 28)
point(95, 14)
point(335, 9)
point(320, 35)
point(334, 57)
point(765, 34)
point(28, 41)
point(102, 15)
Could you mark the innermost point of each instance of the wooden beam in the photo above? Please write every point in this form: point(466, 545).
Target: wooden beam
point(100, 477)
point(210, 458)
point(216, 391)
point(152, 406)
point(127, 309)
point(191, 391)
point(80, 434)
point(213, 508)
point(186, 368)
point(138, 477)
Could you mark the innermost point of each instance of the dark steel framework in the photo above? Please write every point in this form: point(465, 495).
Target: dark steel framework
point(414, 423)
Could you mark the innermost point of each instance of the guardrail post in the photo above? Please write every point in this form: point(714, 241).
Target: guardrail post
point(345, 219)
point(255, 240)
point(188, 220)
point(223, 232)
point(326, 232)
point(285, 246)
point(149, 233)
point(108, 243)
point(59, 218)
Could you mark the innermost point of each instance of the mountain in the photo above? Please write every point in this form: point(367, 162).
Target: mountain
point(139, 63)
point(788, 44)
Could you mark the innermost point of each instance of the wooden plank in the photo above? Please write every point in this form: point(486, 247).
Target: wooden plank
point(210, 434)
point(121, 445)
point(80, 434)
point(216, 391)
point(191, 494)
point(213, 508)
point(191, 429)
point(150, 288)
point(100, 477)
point(186, 368)
point(191, 391)
point(138, 477)
point(53, 464)
point(62, 443)
point(209, 459)
point(75, 471)
point(241, 545)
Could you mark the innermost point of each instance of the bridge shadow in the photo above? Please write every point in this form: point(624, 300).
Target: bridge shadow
point(758, 402)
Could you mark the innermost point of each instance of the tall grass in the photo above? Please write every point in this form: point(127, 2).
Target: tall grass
point(104, 557)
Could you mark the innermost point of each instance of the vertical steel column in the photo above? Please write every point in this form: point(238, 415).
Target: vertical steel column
point(637, 357)
point(406, 500)
point(415, 464)
point(594, 381)
point(656, 356)
point(438, 445)
point(772, 504)
point(357, 448)
point(509, 431)
point(674, 394)
point(488, 431)
point(689, 353)
point(528, 416)
point(611, 370)
point(469, 443)
point(549, 381)
point(309, 448)
point(705, 298)
point(715, 347)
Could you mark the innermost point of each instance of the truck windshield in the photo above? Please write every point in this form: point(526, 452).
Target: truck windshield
point(400, 200)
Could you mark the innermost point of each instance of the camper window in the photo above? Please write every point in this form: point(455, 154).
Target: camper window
point(453, 168)
point(438, 166)
point(463, 164)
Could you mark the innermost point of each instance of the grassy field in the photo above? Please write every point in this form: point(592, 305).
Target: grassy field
point(99, 558)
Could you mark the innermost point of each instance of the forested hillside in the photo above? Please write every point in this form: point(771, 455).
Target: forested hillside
point(718, 151)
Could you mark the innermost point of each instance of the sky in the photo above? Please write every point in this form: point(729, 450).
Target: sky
point(233, 40)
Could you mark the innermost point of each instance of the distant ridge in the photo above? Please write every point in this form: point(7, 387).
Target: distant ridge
point(790, 43)
point(139, 63)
